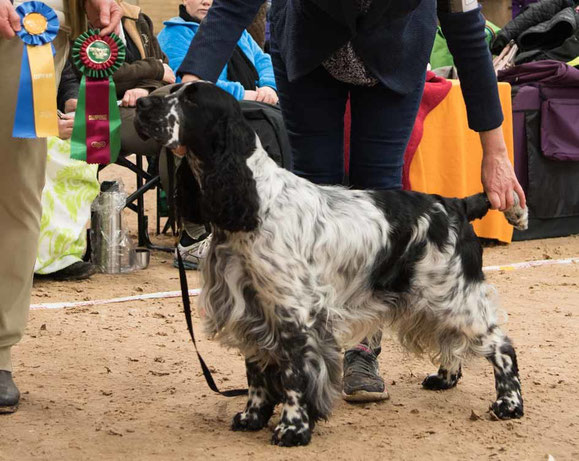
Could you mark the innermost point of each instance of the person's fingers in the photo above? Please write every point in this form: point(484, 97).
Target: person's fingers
point(509, 199)
point(132, 100)
point(502, 202)
point(14, 20)
point(110, 18)
point(521, 193)
point(494, 199)
point(104, 20)
point(264, 95)
point(125, 101)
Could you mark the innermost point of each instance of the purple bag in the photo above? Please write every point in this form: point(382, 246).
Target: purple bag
point(560, 123)
point(558, 86)
point(546, 72)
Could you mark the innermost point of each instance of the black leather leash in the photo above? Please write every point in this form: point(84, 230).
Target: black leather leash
point(187, 310)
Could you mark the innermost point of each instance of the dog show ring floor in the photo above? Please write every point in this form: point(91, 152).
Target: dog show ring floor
point(121, 381)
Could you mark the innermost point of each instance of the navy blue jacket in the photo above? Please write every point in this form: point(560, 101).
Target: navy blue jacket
point(394, 40)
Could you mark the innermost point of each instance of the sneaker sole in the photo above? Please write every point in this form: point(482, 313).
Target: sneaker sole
point(365, 396)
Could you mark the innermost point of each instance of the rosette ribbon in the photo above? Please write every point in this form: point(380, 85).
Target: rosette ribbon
point(36, 115)
point(96, 134)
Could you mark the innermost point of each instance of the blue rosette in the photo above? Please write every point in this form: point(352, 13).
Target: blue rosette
point(36, 104)
point(52, 26)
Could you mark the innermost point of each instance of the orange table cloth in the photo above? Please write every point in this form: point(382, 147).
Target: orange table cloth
point(448, 159)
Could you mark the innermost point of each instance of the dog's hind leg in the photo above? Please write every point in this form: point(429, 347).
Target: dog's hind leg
point(310, 378)
point(446, 378)
point(264, 395)
point(499, 351)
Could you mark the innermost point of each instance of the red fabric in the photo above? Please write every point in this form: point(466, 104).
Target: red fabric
point(435, 90)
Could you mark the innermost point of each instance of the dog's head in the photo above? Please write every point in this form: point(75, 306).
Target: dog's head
point(208, 122)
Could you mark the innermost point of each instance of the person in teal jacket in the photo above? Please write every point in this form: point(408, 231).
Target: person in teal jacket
point(248, 75)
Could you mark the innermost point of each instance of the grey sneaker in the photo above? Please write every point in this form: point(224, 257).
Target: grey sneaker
point(362, 381)
point(9, 394)
point(193, 254)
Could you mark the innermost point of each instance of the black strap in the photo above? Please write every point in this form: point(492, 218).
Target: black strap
point(187, 310)
point(170, 163)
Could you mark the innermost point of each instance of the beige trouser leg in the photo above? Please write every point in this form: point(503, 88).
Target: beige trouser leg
point(22, 165)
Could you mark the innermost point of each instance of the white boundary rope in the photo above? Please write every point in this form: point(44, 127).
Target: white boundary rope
point(196, 291)
point(100, 302)
point(526, 265)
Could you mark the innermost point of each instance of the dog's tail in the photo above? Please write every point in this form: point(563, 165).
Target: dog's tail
point(477, 206)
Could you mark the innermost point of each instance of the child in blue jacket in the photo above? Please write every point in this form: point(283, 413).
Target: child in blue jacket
point(248, 74)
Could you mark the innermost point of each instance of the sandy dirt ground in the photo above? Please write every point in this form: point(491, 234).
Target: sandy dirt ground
point(122, 381)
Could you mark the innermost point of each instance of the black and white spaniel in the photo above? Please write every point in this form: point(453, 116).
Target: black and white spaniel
point(297, 271)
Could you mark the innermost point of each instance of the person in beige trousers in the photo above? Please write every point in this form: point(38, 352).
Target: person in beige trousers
point(22, 165)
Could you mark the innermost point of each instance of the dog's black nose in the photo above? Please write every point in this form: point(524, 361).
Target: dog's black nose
point(145, 103)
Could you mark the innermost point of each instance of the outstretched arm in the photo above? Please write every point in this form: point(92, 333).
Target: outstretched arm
point(465, 33)
point(214, 42)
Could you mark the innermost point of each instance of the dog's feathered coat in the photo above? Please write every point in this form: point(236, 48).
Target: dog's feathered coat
point(296, 271)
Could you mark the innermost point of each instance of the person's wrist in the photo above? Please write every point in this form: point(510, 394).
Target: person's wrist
point(493, 143)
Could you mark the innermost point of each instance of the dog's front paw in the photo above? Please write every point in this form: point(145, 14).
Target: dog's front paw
point(290, 436)
point(248, 421)
point(508, 407)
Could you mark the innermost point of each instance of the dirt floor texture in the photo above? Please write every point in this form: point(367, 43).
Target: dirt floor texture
point(122, 382)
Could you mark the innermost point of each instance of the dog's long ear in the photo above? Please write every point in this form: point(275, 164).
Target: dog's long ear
point(230, 199)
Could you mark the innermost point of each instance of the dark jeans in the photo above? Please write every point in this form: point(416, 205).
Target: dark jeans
point(313, 108)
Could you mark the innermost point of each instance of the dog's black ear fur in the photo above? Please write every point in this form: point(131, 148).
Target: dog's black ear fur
point(230, 199)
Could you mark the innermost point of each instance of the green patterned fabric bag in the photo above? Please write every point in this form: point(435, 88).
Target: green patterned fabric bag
point(71, 186)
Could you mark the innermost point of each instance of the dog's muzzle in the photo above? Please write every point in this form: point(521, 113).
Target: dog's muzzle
point(151, 119)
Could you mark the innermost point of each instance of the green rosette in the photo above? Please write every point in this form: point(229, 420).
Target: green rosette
point(97, 122)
